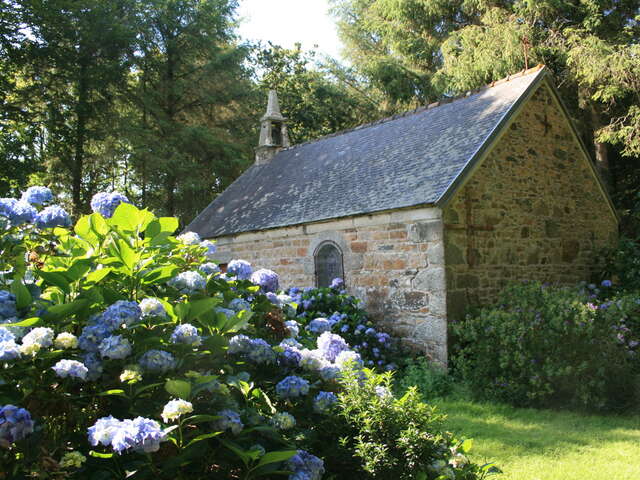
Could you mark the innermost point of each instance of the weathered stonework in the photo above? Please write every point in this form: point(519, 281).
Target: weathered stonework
point(394, 261)
point(535, 208)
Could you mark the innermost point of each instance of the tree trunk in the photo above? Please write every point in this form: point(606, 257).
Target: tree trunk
point(80, 138)
point(601, 150)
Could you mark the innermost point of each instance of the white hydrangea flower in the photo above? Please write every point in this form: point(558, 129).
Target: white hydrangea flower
point(189, 238)
point(66, 340)
point(174, 409)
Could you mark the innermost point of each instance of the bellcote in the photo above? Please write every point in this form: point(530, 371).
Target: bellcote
point(273, 131)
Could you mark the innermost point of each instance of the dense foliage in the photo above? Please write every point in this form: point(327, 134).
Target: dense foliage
point(126, 352)
point(553, 346)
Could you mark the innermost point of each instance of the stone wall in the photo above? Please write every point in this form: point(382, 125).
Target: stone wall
point(536, 209)
point(394, 261)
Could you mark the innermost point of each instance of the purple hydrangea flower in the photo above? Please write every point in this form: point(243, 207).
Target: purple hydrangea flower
point(70, 368)
point(15, 423)
point(607, 283)
point(337, 283)
point(53, 216)
point(106, 203)
point(267, 279)
point(37, 195)
point(240, 269)
point(289, 357)
point(292, 387)
point(331, 345)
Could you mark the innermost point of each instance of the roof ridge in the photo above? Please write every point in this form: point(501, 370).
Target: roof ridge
point(422, 108)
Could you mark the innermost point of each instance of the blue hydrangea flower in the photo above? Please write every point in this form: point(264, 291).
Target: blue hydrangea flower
point(157, 361)
point(53, 216)
point(91, 337)
point(210, 249)
point(383, 338)
point(267, 279)
point(370, 332)
point(209, 268)
point(188, 282)
point(291, 342)
point(239, 344)
point(15, 423)
point(229, 420)
point(305, 466)
point(70, 368)
point(240, 269)
point(7, 305)
point(37, 195)
point(152, 307)
point(293, 327)
point(337, 283)
point(9, 350)
point(261, 352)
point(283, 421)
point(93, 364)
point(329, 373)
point(6, 335)
point(189, 238)
point(383, 392)
point(186, 334)
point(319, 325)
point(121, 313)
point(606, 283)
point(106, 203)
point(239, 304)
point(227, 312)
point(115, 347)
point(289, 357)
point(141, 434)
point(324, 402)
point(292, 387)
point(17, 212)
point(344, 328)
point(330, 345)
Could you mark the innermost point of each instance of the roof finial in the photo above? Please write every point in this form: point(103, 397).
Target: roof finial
point(273, 107)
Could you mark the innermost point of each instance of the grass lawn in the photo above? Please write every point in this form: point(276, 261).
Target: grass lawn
point(548, 445)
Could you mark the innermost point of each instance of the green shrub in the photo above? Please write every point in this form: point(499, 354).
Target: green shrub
point(623, 264)
point(389, 438)
point(545, 346)
point(430, 379)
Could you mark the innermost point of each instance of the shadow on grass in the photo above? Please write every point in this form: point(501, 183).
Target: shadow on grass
point(528, 432)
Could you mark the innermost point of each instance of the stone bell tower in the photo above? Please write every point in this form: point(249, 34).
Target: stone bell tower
point(273, 131)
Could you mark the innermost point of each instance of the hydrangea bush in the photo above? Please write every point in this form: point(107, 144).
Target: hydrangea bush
point(545, 345)
point(126, 353)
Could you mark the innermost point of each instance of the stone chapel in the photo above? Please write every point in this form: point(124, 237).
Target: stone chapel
point(423, 213)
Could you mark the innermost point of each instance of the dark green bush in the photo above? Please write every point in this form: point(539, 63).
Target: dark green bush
point(431, 380)
point(546, 346)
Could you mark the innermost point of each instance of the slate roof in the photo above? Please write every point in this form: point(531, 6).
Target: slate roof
point(413, 159)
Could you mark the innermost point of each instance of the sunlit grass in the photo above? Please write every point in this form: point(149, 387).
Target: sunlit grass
point(532, 444)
